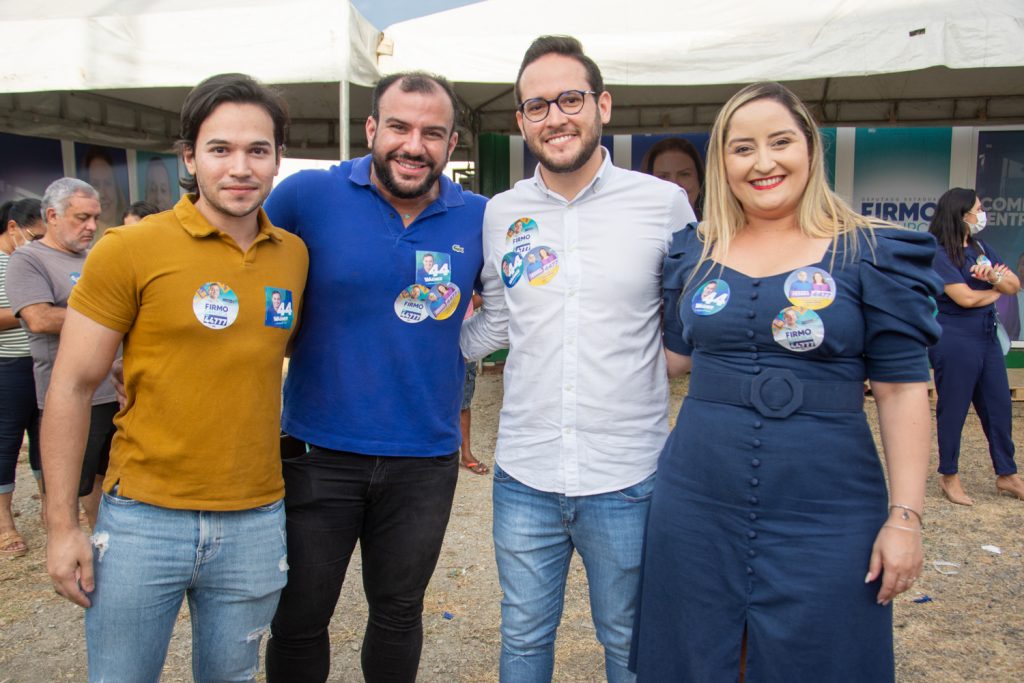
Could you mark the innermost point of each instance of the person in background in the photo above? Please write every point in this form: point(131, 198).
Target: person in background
point(968, 360)
point(466, 416)
point(137, 211)
point(40, 278)
point(772, 542)
point(678, 161)
point(20, 222)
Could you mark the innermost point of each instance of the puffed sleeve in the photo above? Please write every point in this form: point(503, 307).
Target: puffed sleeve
point(682, 255)
point(898, 290)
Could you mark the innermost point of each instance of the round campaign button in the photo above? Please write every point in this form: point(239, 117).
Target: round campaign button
point(442, 301)
point(810, 287)
point(984, 260)
point(520, 235)
point(215, 305)
point(411, 306)
point(710, 297)
point(511, 268)
point(798, 329)
point(541, 265)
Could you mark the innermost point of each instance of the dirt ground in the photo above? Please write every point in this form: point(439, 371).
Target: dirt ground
point(972, 629)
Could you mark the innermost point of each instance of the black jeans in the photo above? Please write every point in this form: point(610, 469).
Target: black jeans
point(398, 509)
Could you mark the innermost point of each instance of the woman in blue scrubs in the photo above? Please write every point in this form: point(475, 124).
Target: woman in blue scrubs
point(968, 360)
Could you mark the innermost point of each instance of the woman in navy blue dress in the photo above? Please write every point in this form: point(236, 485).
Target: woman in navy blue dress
point(772, 544)
point(968, 360)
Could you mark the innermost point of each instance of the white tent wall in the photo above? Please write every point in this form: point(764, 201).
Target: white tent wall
point(115, 73)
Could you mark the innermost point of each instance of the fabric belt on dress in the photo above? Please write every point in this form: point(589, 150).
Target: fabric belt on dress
point(777, 393)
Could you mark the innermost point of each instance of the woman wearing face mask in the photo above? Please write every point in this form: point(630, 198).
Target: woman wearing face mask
point(968, 360)
point(21, 223)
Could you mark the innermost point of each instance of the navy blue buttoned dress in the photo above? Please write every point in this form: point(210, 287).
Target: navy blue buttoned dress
point(770, 491)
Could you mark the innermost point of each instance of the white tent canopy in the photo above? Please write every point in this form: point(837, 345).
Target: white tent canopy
point(117, 71)
point(946, 60)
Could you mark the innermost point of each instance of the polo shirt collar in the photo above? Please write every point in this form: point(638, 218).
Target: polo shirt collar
point(196, 224)
point(596, 183)
point(450, 195)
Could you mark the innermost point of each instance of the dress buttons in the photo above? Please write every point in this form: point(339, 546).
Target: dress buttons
point(754, 481)
point(750, 314)
point(757, 443)
point(753, 356)
point(750, 334)
point(753, 517)
point(750, 570)
point(753, 295)
point(757, 369)
point(758, 424)
point(755, 283)
point(756, 462)
point(751, 553)
point(751, 534)
point(753, 500)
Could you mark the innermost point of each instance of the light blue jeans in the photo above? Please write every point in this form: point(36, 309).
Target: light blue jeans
point(535, 534)
point(231, 566)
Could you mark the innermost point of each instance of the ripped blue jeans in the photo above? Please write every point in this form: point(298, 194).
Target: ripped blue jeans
point(230, 565)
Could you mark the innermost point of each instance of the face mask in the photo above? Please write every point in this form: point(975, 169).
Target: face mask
point(980, 225)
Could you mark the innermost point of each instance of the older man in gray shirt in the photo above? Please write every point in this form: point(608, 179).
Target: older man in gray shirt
point(40, 276)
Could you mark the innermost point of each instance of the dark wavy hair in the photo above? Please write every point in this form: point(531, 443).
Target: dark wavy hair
point(228, 88)
point(567, 46)
point(948, 224)
point(24, 212)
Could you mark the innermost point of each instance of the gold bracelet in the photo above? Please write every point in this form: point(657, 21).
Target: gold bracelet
point(904, 528)
point(906, 509)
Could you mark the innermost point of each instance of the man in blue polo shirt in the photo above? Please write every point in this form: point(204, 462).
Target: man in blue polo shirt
point(374, 387)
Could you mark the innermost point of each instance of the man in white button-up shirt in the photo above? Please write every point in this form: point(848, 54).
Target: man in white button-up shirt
point(572, 286)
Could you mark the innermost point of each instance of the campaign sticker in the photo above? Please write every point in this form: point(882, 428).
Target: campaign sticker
point(511, 268)
point(541, 265)
point(411, 304)
point(798, 329)
point(215, 305)
point(519, 236)
point(73, 277)
point(278, 308)
point(811, 288)
point(442, 301)
point(984, 260)
point(433, 267)
point(710, 297)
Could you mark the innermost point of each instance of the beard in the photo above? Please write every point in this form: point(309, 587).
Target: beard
point(382, 169)
point(588, 143)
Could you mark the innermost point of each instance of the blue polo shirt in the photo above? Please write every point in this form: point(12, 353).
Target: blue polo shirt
point(376, 367)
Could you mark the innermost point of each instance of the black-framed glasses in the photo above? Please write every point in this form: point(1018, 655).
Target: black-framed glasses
point(570, 102)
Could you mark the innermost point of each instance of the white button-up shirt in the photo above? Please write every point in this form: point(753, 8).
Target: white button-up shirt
point(586, 391)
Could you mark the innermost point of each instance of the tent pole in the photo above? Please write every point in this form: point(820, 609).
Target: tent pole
point(344, 134)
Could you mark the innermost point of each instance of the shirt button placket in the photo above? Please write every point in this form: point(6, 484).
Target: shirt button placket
point(570, 271)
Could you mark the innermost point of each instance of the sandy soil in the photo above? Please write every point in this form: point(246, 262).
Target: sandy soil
point(972, 630)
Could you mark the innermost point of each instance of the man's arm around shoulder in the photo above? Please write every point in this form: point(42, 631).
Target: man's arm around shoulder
point(86, 352)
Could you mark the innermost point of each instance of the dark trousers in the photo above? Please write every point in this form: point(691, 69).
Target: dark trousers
point(969, 368)
point(398, 509)
point(18, 414)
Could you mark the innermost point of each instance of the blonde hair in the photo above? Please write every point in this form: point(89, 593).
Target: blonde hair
point(821, 212)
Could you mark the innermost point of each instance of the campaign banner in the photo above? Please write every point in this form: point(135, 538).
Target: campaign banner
point(1000, 186)
point(106, 169)
point(28, 165)
point(899, 173)
point(157, 176)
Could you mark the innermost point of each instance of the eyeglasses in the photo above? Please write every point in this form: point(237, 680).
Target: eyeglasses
point(570, 102)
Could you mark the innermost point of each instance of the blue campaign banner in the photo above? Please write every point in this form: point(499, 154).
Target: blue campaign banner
point(899, 173)
point(28, 165)
point(1000, 186)
point(106, 169)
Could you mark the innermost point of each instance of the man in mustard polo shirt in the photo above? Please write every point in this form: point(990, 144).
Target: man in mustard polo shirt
point(192, 502)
